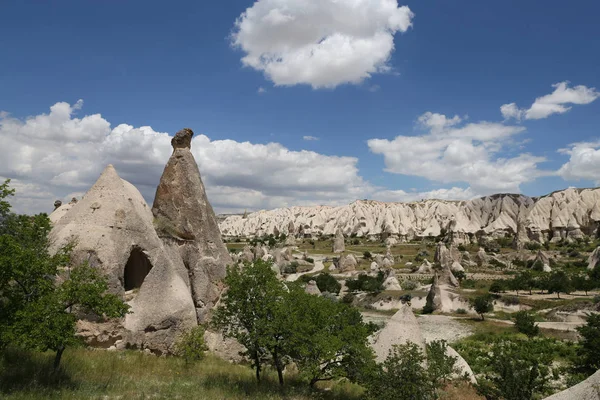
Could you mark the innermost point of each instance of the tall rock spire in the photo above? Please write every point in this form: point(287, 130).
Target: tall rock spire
point(186, 223)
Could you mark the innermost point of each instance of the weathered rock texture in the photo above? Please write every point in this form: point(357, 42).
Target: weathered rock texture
point(594, 258)
point(338, 242)
point(586, 390)
point(400, 329)
point(565, 214)
point(167, 263)
point(112, 228)
point(187, 225)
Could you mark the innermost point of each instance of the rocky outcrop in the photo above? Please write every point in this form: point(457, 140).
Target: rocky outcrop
point(425, 268)
point(338, 242)
point(346, 263)
point(589, 389)
point(312, 288)
point(400, 329)
point(112, 230)
point(542, 259)
point(594, 258)
point(187, 225)
point(565, 214)
point(434, 297)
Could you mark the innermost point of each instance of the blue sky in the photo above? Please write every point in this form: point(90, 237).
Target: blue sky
point(173, 65)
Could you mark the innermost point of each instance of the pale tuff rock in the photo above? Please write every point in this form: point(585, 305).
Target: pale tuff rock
point(425, 268)
point(347, 263)
point(434, 297)
point(442, 255)
point(113, 231)
point(338, 242)
point(462, 365)
point(374, 266)
point(247, 255)
point(187, 225)
point(586, 390)
point(542, 258)
point(402, 328)
point(594, 258)
point(481, 258)
point(312, 288)
point(565, 214)
point(456, 267)
point(391, 241)
point(391, 283)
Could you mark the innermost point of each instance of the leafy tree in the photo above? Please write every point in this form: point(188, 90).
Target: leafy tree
point(41, 292)
point(583, 283)
point(523, 281)
point(525, 323)
point(191, 346)
point(367, 255)
point(440, 365)
point(559, 282)
point(589, 351)
point(402, 376)
point(367, 283)
point(517, 371)
point(497, 287)
point(326, 339)
point(250, 313)
point(5, 191)
point(482, 305)
point(328, 283)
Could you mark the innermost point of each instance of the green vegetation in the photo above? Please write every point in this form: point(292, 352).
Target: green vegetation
point(589, 352)
point(42, 293)
point(278, 325)
point(525, 323)
point(191, 346)
point(482, 305)
point(403, 375)
point(366, 283)
point(325, 282)
point(91, 374)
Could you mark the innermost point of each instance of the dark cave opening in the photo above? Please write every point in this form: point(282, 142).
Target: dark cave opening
point(136, 269)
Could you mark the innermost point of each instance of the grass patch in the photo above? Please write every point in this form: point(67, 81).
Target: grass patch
point(89, 374)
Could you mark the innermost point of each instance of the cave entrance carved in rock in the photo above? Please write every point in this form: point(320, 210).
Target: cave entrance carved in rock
point(136, 269)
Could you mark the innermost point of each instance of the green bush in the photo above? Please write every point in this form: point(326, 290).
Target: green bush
point(367, 255)
point(461, 311)
point(366, 283)
point(191, 346)
point(525, 323)
point(409, 285)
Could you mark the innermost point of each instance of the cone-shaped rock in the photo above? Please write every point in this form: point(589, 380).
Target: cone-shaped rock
point(186, 223)
point(400, 329)
point(594, 258)
point(434, 297)
point(586, 390)
point(113, 231)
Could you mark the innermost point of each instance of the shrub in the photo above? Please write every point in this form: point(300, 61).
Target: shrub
point(348, 298)
point(191, 346)
point(533, 246)
point(461, 247)
point(291, 268)
point(461, 311)
point(525, 323)
point(483, 305)
point(366, 283)
point(510, 300)
point(310, 260)
point(497, 287)
point(356, 242)
point(409, 285)
point(367, 255)
point(328, 283)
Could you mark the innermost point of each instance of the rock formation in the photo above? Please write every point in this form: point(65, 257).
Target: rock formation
point(589, 389)
point(187, 225)
point(425, 268)
point(565, 214)
point(167, 263)
point(347, 263)
point(312, 288)
point(434, 297)
point(113, 231)
point(338, 242)
point(542, 258)
point(400, 329)
point(594, 258)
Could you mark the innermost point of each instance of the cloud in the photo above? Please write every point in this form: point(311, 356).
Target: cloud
point(58, 155)
point(310, 138)
point(584, 162)
point(322, 43)
point(553, 103)
point(261, 90)
point(449, 152)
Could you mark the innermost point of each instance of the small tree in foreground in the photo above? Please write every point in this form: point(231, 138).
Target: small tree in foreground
point(41, 293)
point(191, 346)
point(482, 305)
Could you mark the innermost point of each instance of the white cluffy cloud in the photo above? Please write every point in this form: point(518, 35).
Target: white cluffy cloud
point(57, 156)
point(450, 152)
point(584, 162)
point(322, 43)
point(553, 103)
